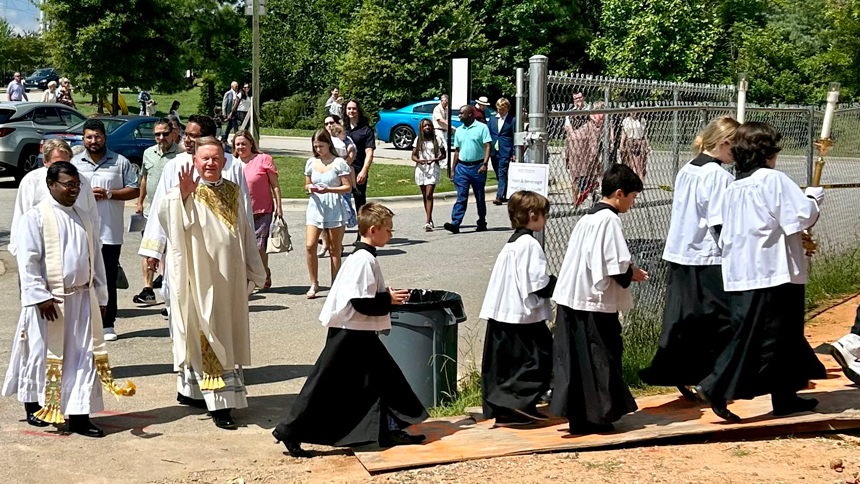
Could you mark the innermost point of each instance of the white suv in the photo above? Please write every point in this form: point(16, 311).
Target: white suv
point(22, 125)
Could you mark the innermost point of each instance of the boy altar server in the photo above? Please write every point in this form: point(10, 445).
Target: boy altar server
point(765, 272)
point(517, 363)
point(356, 394)
point(59, 362)
point(593, 286)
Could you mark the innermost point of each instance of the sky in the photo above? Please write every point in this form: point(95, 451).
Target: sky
point(23, 15)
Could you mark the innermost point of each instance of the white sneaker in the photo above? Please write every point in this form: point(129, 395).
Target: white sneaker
point(110, 334)
point(844, 352)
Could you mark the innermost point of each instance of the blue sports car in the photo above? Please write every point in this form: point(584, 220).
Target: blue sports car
point(126, 135)
point(399, 127)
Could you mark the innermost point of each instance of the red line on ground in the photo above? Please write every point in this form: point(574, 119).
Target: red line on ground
point(43, 434)
point(130, 414)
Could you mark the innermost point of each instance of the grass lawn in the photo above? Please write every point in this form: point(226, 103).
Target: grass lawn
point(385, 180)
point(304, 133)
point(188, 99)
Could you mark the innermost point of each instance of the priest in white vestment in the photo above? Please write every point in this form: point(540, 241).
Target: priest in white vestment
point(33, 188)
point(214, 265)
point(154, 240)
point(59, 358)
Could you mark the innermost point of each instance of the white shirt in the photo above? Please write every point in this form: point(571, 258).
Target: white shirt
point(359, 277)
point(520, 271)
point(154, 239)
point(440, 115)
point(633, 128)
point(596, 252)
point(697, 206)
point(34, 188)
point(112, 172)
point(763, 216)
point(427, 152)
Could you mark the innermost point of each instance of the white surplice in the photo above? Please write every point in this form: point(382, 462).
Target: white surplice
point(34, 188)
point(214, 264)
point(81, 388)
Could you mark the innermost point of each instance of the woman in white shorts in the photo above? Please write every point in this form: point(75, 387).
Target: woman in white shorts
point(428, 150)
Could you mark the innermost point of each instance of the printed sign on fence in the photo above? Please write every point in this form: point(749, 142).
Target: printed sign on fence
point(527, 176)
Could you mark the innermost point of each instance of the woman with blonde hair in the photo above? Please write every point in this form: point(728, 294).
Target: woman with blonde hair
point(50, 94)
point(263, 187)
point(696, 325)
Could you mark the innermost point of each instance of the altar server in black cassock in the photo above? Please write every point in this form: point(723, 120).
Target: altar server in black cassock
point(764, 271)
point(696, 324)
point(593, 286)
point(517, 363)
point(356, 394)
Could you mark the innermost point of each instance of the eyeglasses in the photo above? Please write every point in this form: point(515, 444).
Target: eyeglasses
point(162, 135)
point(70, 185)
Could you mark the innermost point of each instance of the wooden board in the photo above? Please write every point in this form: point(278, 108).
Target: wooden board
point(659, 417)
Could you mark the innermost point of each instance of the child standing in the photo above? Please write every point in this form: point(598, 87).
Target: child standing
point(593, 286)
point(356, 393)
point(696, 325)
point(345, 149)
point(428, 150)
point(517, 363)
point(764, 271)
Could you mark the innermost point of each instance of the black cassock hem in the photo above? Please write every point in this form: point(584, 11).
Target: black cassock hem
point(516, 367)
point(351, 388)
point(588, 383)
point(696, 327)
point(768, 353)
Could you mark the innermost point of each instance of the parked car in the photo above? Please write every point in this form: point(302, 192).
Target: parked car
point(22, 125)
point(40, 78)
point(126, 135)
point(399, 126)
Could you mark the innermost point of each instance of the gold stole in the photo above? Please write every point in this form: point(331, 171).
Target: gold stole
point(51, 412)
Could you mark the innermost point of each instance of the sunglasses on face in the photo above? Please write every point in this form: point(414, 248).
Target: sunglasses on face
point(162, 135)
point(329, 123)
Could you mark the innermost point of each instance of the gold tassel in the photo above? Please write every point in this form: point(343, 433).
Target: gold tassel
point(51, 412)
point(106, 377)
point(212, 369)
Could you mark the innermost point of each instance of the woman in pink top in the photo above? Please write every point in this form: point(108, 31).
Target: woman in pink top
point(262, 178)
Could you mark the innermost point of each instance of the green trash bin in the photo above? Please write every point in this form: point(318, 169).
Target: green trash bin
point(423, 342)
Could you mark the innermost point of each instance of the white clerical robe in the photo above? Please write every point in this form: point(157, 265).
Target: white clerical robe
point(34, 188)
point(81, 389)
point(214, 264)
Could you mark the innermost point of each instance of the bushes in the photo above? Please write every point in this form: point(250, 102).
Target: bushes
point(299, 111)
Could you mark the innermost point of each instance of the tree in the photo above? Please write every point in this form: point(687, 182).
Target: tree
point(400, 51)
point(104, 44)
point(673, 40)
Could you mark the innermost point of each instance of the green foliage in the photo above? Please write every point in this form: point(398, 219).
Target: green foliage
point(832, 276)
point(399, 51)
point(103, 44)
point(23, 53)
point(468, 395)
point(298, 111)
point(659, 39)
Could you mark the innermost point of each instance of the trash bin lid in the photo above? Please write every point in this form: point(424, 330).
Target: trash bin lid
point(428, 300)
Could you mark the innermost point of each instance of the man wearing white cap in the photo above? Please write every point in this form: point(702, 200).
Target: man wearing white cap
point(480, 105)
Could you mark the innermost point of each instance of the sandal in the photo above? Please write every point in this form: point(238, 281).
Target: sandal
point(322, 251)
point(428, 227)
point(312, 292)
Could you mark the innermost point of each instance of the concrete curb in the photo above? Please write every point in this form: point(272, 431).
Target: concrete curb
point(296, 204)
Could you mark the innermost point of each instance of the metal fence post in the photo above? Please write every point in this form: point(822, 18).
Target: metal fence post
point(607, 128)
point(538, 65)
point(676, 134)
point(518, 115)
point(810, 149)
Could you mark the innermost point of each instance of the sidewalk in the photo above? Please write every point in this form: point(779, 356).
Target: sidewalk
point(299, 146)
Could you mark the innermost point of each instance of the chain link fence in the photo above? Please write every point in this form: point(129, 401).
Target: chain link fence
point(650, 126)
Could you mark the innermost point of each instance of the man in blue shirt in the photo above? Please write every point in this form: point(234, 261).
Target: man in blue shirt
point(471, 157)
point(15, 90)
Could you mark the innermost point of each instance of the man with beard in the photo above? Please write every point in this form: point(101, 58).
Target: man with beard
point(114, 181)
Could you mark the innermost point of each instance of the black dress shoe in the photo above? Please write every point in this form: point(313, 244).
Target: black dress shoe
point(531, 413)
point(191, 402)
point(513, 419)
point(164, 312)
point(223, 419)
point(588, 428)
point(454, 229)
point(686, 393)
point(793, 404)
point(497, 202)
point(36, 422)
point(719, 407)
point(481, 228)
point(156, 284)
point(400, 437)
point(82, 425)
point(295, 450)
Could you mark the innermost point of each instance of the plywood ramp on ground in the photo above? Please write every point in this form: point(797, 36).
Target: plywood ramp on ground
point(659, 417)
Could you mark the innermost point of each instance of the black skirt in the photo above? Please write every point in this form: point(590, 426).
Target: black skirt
point(696, 327)
point(768, 353)
point(353, 387)
point(588, 383)
point(516, 367)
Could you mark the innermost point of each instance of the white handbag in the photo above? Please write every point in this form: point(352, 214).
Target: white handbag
point(279, 237)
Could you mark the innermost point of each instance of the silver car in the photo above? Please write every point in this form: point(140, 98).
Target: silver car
point(22, 125)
